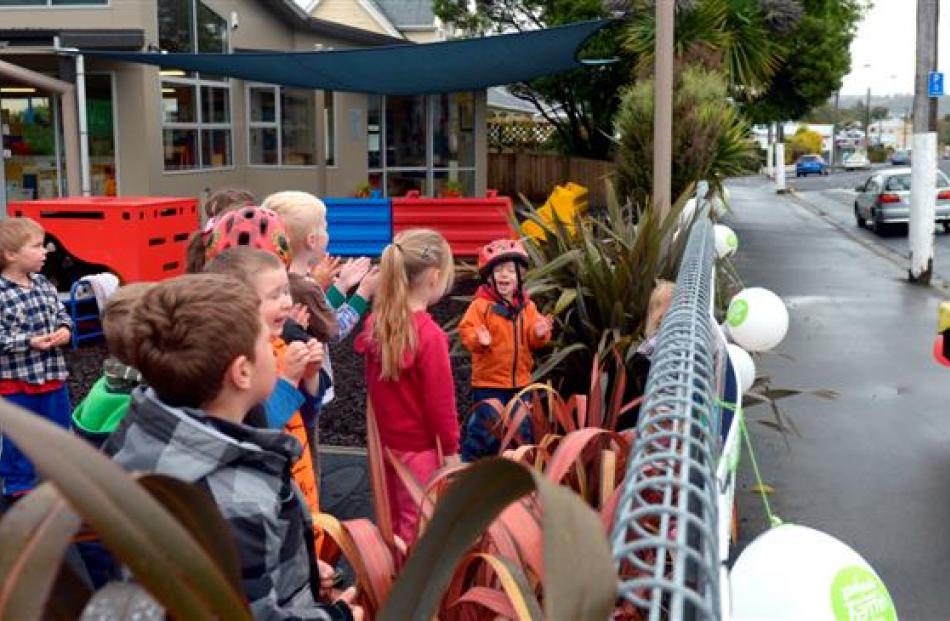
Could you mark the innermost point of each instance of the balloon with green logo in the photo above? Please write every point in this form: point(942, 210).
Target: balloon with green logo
point(793, 572)
point(757, 319)
point(727, 242)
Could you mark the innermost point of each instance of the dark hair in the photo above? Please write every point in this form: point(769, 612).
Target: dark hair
point(117, 317)
point(186, 332)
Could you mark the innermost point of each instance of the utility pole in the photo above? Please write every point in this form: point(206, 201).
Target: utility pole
point(867, 121)
point(924, 163)
point(663, 108)
point(834, 128)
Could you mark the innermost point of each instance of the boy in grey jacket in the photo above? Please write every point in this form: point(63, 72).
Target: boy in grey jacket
point(204, 353)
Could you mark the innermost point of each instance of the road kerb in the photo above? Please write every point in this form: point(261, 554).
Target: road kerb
point(895, 257)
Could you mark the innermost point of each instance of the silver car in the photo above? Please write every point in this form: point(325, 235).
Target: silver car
point(885, 200)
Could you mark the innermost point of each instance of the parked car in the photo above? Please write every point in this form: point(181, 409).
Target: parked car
point(856, 160)
point(900, 158)
point(884, 200)
point(810, 165)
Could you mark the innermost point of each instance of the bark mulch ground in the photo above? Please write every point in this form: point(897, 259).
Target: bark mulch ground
point(343, 421)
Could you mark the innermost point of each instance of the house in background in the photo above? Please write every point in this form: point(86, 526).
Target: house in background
point(412, 20)
point(151, 132)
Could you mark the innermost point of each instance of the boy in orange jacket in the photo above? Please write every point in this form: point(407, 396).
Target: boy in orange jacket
point(502, 328)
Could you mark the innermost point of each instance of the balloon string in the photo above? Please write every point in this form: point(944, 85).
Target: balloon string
point(773, 519)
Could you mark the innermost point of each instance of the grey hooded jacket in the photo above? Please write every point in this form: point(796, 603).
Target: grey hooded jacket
point(246, 471)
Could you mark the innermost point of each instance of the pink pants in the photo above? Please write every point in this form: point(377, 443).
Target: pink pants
point(402, 508)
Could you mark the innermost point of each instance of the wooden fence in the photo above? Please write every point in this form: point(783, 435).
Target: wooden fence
point(536, 174)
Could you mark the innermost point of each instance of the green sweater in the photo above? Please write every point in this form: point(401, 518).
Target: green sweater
point(100, 412)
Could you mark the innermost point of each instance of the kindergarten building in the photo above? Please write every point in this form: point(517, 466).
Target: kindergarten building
point(161, 131)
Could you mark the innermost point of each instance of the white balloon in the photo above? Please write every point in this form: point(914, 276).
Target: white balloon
point(794, 572)
point(727, 242)
point(744, 365)
point(757, 319)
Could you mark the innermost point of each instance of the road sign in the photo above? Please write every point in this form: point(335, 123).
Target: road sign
point(935, 84)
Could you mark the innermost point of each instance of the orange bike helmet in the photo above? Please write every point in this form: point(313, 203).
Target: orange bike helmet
point(249, 226)
point(499, 251)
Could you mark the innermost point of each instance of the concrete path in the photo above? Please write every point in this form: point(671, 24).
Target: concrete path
point(872, 467)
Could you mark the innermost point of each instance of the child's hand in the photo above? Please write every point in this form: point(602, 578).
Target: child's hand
point(542, 327)
point(43, 342)
point(327, 579)
point(369, 284)
point(325, 271)
point(296, 357)
point(60, 337)
point(484, 336)
point(300, 315)
point(315, 356)
point(351, 273)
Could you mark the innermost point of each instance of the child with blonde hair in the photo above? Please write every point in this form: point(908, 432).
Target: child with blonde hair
point(408, 373)
point(34, 326)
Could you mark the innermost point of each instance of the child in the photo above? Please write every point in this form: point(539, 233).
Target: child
point(299, 362)
point(33, 326)
point(333, 316)
point(639, 366)
point(204, 351)
point(501, 327)
point(217, 205)
point(105, 406)
point(408, 373)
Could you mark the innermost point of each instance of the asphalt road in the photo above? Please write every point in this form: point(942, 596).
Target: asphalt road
point(833, 196)
point(871, 467)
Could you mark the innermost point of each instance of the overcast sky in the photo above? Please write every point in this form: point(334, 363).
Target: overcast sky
point(886, 41)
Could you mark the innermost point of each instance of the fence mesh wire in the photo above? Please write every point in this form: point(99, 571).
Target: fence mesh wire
point(665, 537)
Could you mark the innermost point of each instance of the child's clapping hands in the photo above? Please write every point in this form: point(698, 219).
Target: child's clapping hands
point(543, 326)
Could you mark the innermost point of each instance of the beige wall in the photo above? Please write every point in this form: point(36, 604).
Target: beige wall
point(424, 36)
point(138, 109)
point(350, 13)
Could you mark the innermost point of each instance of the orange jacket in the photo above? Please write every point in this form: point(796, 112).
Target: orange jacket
point(508, 361)
point(303, 470)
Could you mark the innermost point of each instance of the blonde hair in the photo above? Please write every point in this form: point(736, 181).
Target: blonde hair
point(14, 234)
point(660, 299)
point(302, 213)
point(404, 261)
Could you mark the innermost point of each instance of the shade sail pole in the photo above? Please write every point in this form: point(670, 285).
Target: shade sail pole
point(663, 108)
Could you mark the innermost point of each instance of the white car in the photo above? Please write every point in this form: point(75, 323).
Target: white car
point(856, 161)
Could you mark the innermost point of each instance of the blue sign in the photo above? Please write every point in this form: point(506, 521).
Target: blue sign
point(935, 84)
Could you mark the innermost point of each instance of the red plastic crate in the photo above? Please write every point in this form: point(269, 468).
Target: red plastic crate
point(467, 223)
point(137, 238)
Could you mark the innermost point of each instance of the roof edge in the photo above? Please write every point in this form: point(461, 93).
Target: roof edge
point(295, 15)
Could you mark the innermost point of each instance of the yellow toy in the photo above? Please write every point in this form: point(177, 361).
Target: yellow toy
point(565, 202)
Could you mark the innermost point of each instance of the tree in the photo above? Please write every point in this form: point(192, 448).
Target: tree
point(580, 104)
point(710, 135)
point(817, 59)
point(803, 142)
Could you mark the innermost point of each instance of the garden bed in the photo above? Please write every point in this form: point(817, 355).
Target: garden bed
point(343, 422)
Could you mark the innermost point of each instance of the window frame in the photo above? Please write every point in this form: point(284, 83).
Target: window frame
point(277, 126)
point(48, 5)
point(199, 125)
point(430, 169)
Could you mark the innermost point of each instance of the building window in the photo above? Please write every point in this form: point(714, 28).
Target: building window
point(281, 126)
point(421, 142)
point(196, 109)
point(329, 127)
point(53, 2)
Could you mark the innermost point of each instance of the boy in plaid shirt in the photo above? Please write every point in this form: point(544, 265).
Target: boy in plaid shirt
point(33, 326)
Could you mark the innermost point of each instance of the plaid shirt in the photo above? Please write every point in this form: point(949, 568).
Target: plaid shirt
point(246, 471)
point(25, 313)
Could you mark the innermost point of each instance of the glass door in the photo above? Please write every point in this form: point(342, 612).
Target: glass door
point(30, 131)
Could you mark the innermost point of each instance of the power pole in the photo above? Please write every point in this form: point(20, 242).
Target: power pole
point(867, 121)
point(663, 108)
point(923, 190)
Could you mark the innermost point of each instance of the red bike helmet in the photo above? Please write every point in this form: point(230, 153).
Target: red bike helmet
point(499, 251)
point(250, 226)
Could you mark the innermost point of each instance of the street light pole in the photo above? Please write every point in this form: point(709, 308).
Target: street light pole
point(867, 120)
point(923, 184)
point(663, 108)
